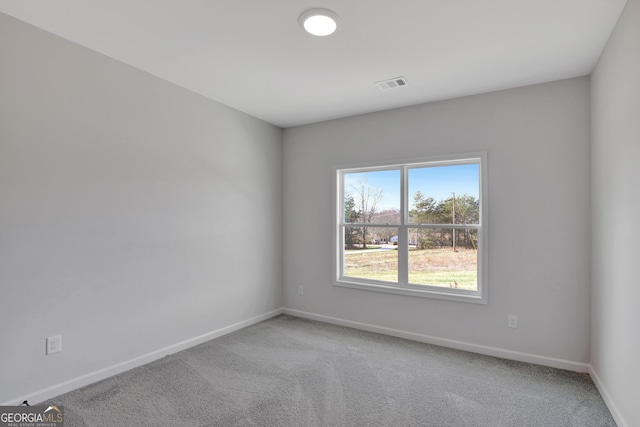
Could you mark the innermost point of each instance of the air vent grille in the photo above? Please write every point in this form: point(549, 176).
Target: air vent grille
point(394, 83)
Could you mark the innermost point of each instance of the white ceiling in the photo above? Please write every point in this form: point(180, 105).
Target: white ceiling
point(253, 56)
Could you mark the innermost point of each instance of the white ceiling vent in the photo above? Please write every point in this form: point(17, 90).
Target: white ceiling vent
point(394, 83)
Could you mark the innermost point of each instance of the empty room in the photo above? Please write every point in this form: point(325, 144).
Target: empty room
point(330, 213)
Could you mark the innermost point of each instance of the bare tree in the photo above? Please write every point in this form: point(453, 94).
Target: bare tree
point(367, 199)
point(350, 216)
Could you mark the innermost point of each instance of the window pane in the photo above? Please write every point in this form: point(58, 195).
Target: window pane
point(371, 253)
point(372, 197)
point(434, 261)
point(437, 193)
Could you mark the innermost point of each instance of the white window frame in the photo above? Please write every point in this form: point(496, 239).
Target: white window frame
point(403, 287)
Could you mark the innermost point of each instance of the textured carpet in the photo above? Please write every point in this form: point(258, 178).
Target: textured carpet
point(288, 371)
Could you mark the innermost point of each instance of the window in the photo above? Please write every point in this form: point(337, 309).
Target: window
point(414, 228)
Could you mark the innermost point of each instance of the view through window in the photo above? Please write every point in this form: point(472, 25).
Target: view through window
point(413, 226)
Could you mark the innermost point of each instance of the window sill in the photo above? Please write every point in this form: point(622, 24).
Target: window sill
point(474, 298)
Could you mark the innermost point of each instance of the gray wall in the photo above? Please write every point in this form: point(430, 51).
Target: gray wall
point(537, 141)
point(130, 210)
point(615, 338)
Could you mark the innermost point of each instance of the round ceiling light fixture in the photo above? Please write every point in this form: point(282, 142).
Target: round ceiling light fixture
point(319, 22)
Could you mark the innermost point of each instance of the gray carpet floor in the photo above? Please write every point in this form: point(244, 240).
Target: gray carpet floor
point(288, 371)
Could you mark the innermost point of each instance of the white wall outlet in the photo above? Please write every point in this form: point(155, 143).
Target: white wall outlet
point(54, 344)
point(300, 290)
point(512, 321)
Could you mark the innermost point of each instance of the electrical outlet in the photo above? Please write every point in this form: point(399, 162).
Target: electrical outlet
point(512, 321)
point(300, 290)
point(54, 344)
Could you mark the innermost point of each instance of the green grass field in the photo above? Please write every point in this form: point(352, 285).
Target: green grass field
point(434, 267)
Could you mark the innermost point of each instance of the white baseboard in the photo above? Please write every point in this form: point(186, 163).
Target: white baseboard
point(444, 342)
point(92, 377)
point(613, 408)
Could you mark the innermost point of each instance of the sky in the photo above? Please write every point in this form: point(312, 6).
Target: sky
point(436, 181)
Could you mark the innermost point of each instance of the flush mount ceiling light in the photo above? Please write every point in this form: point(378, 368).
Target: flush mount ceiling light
point(319, 22)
